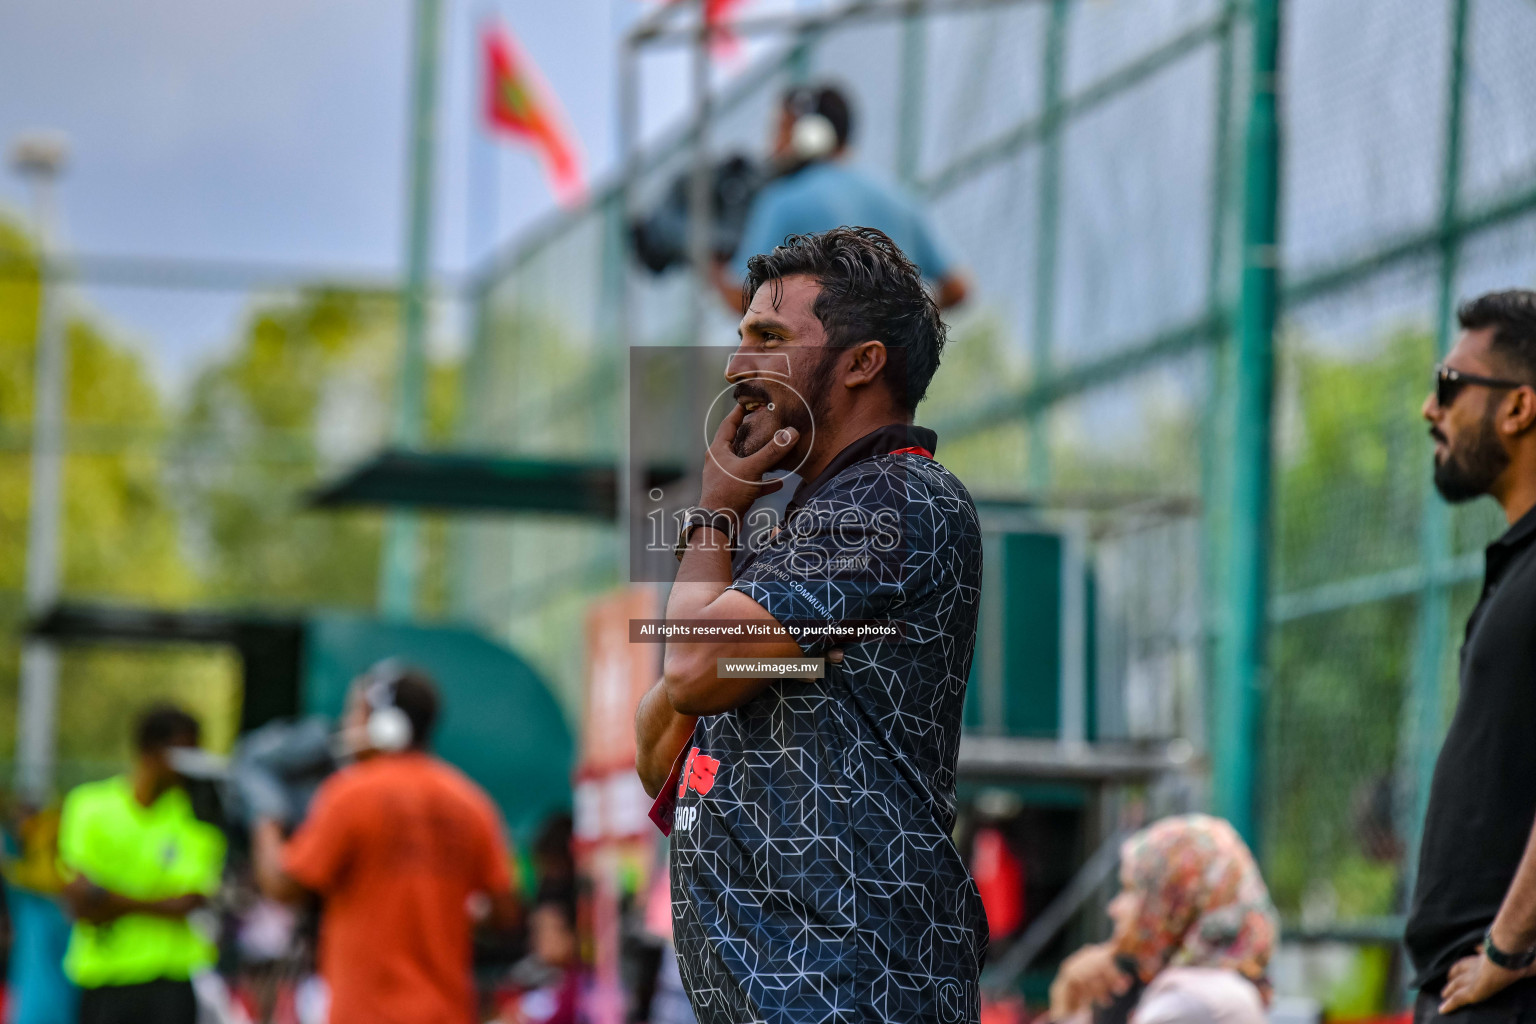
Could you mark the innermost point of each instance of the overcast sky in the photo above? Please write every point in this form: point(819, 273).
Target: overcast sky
point(276, 131)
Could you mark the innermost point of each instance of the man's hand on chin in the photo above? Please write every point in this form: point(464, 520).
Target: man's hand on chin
point(732, 483)
point(1475, 978)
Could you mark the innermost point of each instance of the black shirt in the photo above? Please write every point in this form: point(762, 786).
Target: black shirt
point(1483, 800)
point(877, 442)
point(813, 873)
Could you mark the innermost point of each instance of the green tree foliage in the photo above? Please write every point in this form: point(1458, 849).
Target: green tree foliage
point(1352, 481)
point(305, 390)
point(120, 528)
point(974, 369)
point(200, 505)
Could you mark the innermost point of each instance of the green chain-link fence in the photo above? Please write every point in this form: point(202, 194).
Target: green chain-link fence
point(1086, 160)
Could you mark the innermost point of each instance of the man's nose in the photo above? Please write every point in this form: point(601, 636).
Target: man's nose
point(744, 365)
point(738, 367)
point(1430, 410)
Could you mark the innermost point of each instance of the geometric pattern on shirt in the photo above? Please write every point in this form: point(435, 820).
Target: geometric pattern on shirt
point(817, 880)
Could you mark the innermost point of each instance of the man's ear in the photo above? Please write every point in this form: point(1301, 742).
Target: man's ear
point(867, 361)
point(1520, 416)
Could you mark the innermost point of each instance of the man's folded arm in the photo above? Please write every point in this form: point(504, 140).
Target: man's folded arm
point(94, 904)
point(661, 733)
point(689, 670)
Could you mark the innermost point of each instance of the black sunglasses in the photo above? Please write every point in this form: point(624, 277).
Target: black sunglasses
point(1449, 383)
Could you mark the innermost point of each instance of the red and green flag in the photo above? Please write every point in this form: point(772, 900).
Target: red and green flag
point(517, 103)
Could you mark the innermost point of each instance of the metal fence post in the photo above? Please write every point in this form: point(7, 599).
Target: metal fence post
point(1422, 717)
point(1236, 740)
point(1216, 408)
point(399, 568)
point(1038, 466)
point(914, 69)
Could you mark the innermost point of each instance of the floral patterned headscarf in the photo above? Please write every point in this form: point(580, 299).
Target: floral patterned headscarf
point(1203, 903)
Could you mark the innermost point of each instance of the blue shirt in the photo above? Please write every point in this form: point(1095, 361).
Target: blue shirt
point(813, 874)
point(829, 195)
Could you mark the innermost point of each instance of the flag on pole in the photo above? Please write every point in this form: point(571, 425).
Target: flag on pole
point(518, 103)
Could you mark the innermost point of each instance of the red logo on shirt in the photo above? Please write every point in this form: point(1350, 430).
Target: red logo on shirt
point(698, 773)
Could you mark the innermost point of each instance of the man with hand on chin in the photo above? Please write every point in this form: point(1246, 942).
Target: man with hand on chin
point(813, 874)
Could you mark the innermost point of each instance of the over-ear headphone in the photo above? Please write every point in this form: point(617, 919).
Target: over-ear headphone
point(389, 728)
point(813, 136)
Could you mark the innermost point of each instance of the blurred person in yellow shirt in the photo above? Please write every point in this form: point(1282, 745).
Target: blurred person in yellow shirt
point(140, 865)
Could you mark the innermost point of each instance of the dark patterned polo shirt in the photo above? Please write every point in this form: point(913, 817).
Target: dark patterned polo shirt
point(813, 874)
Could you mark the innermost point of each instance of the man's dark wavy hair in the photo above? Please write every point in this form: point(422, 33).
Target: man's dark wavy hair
point(1512, 315)
point(869, 291)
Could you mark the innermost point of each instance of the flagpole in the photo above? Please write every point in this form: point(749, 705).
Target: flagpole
point(483, 209)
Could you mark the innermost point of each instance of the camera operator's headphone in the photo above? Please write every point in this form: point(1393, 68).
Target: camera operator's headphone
point(813, 136)
point(389, 728)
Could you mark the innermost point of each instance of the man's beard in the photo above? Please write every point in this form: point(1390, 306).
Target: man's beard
point(751, 437)
point(1467, 472)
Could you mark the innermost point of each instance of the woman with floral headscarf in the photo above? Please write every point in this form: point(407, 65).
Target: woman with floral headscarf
point(1193, 924)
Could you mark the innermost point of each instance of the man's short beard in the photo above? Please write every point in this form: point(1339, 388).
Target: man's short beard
point(1469, 472)
point(796, 415)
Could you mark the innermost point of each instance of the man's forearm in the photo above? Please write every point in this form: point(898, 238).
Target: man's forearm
point(94, 904)
point(702, 576)
point(661, 732)
point(702, 588)
point(267, 861)
point(688, 669)
point(1514, 929)
point(952, 290)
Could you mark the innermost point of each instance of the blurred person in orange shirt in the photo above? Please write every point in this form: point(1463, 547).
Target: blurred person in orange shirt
point(407, 855)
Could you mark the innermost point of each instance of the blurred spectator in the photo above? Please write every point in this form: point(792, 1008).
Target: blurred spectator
point(669, 1000)
point(554, 866)
point(37, 990)
point(140, 865)
point(548, 982)
point(1193, 924)
point(816, 191)
point(399, 845)
point(999, 876)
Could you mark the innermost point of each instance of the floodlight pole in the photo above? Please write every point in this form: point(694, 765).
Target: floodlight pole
point(1236, 741)
point(40, 159)
point(400, 568)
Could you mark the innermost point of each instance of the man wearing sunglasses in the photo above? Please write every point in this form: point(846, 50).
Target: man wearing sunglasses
point(1472, 927)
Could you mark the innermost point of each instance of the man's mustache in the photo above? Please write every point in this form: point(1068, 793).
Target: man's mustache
point(751, 392)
